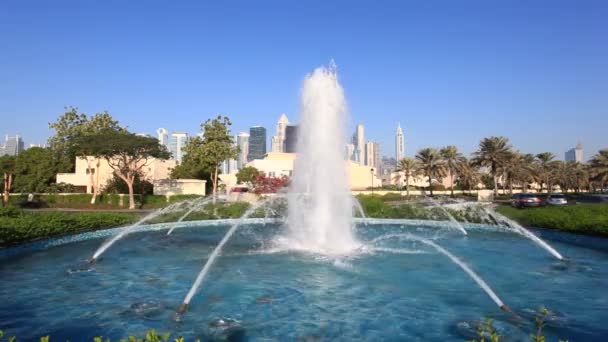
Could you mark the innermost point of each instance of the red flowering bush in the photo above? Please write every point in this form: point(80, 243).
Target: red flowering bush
point(267, 185)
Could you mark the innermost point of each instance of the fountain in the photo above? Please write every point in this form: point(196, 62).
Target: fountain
point(321, 222)
point(324, 274)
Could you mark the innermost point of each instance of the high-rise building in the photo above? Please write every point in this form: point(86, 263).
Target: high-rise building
point(399, 143)
point(229, 166)
point(257, 143)
point(349, 150)
point(12, 145)
point(575, 154)
point(163, 136)
point(373, 156)
point(359, 142)
point(242, 141)
point(278, 141)
point(291, 138)
point(176, 143)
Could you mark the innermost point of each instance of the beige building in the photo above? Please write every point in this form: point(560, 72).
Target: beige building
point(155, 169)
point(282, 164)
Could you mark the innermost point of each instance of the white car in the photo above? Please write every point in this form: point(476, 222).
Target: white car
point(556, 199)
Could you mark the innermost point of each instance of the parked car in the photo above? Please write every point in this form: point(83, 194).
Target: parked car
point(556, 199)
point(523, 200)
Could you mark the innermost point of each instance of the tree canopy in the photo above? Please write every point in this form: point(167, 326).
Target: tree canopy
point(126, 153)
point(203, 155)
point(71, 125)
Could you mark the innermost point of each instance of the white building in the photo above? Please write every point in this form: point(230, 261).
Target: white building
point(575, 154)
point(242, 141)
point(349, 151)
point(163, 136)
point(176, 144)
point(359, 142)
point(278, 141)
point(399, 144)
point(12, 146)
point(373, 156)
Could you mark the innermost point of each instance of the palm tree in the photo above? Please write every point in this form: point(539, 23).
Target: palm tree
point(598, 166)
point(493, 152)
point(431, 164)
point(564, 175)
point(451, 156)
point(546, 165)
point(527, 170)
point(410, 169)
point(468, 174)
point(513, 170)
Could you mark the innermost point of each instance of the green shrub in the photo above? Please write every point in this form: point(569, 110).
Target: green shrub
point(17, 226)
point(153, 201)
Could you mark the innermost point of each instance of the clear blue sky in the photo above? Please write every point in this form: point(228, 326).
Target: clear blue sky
point(451, 72)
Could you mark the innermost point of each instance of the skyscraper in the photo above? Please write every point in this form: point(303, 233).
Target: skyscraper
point(242, 141)
point(349, 150)
point(257, 143)
point(176, 143)
point(359, 141)
point(12, 145)
point(163, 136)
point(372, 152)
point(291, 138)
point(399, 143)
point(575, 154)
point(278, 141)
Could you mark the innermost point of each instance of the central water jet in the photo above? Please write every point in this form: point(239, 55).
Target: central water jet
point(321, 220)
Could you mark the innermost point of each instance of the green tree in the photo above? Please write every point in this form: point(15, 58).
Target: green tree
point(126, 153)
point(431, 165)
point(468, 174)
point(72, 124)
point(7, 167)
point(452, 157)
point(598, 167)
point(216, 145)
point(493, 152)
point(35, 170)
point(247, 175)
point(192, 167)
point(410, 169)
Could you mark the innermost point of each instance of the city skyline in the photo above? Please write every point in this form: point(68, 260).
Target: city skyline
point(450, 83)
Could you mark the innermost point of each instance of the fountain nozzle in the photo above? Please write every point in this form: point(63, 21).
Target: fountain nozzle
point(92, 260)
point(182, 309)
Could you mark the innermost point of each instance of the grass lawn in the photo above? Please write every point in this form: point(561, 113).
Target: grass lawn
point(577, 218)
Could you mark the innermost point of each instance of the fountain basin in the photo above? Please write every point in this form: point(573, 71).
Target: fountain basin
point(394, 289)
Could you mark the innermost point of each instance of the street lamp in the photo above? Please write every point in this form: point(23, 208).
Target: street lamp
point(371, 171)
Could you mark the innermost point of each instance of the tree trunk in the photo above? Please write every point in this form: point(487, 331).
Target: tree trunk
point(407, 188)
point(92, 181)
point(215, 182)
point(6, 188)
point(96, 188)
point(131, 195)
point(451, 184)
point(430, 185)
